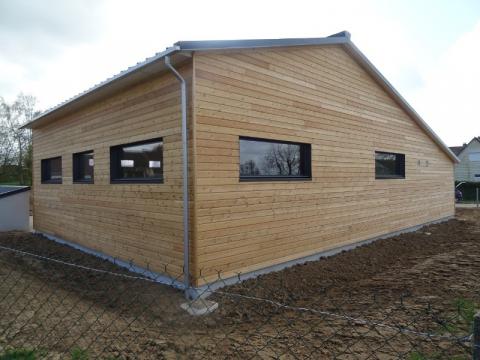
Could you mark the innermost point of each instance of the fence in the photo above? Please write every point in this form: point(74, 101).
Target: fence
point(57, 308)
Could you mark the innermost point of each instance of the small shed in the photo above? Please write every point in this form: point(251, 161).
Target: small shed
point(14, 208)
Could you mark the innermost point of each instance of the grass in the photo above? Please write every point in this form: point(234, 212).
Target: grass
point(460, 324)
point(25, 354)
point(19, 354)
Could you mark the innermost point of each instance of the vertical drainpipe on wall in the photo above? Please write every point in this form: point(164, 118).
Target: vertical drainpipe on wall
point(186, 239)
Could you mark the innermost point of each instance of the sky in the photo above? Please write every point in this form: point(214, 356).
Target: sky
point(429, 50)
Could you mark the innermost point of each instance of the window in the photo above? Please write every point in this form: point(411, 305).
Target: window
point(262, 159)
point(474, 156)
point(137, 162)
point(51, 170)
point(389, 165)
point(83, 164)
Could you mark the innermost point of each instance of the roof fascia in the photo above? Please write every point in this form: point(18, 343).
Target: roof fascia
point(372, 70)
point(101, 85)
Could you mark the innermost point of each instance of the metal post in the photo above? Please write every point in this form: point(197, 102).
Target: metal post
point(477, 196)
point(186, 239)
point(476, 336)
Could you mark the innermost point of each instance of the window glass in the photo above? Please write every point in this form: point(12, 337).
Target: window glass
point(138, 162)
point(389, 165)
point(51, 170)
point(475, 156)
point(270, 159)
point(83, 164)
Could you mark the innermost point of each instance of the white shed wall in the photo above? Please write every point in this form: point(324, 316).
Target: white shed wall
point(14, 212)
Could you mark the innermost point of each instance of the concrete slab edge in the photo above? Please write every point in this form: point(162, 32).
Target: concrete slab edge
point(208, 289)
point(157, 277)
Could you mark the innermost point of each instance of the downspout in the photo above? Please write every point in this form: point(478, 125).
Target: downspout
point(186, 238)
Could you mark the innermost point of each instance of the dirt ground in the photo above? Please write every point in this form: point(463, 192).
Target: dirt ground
point(378, 301)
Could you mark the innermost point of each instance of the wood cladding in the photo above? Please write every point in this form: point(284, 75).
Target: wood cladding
point(141, 223)
point(316, 95)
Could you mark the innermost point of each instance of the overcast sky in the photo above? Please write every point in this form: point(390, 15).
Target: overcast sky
point(428, 49)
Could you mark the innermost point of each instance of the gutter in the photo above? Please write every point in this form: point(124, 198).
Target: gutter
point(186, 215)
point(123, 74)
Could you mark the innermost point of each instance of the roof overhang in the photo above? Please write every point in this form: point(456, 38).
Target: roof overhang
point(182, 50)
point(127, 78)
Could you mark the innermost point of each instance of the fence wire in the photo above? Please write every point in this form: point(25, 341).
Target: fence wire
point(87, 308)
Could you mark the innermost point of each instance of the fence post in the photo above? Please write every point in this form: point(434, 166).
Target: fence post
point(477, 196)
point(476, 337)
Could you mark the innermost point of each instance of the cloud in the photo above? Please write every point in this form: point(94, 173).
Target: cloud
point(55, 49)
point(450, 98)
point(34, 34)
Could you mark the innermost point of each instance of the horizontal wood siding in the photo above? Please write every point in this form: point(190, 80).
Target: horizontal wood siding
point(315, 95)
point(137, 222)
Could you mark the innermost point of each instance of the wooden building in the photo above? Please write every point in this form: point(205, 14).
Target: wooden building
point(296, 147)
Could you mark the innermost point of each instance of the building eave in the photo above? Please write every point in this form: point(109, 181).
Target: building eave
point(399, 99)
point(155, 65)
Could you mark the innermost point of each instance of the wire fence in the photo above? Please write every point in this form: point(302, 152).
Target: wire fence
point(56, 308)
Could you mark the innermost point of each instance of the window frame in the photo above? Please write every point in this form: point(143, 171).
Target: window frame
point(44, 168)
point(115, 164)
point(402, 173)
point(307, 156)
point(76, 167)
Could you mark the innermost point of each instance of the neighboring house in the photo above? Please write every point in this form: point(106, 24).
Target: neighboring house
point(295, 147)
point(468, 169)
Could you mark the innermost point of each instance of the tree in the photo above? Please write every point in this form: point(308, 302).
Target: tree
point(15, 143)
point(282, 159)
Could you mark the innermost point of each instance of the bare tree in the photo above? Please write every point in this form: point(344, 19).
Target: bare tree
point(282, 159)
point(249, 168)
point(15, 143)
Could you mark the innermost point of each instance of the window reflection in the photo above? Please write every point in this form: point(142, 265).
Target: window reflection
point(138, 161)
point(273, 159)
point(83, 164)
point(389, 165)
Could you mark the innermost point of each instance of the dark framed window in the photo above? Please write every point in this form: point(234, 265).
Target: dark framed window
point(51, 170)
point(262, 159)
point(137, 162)
point(389, 165)
point(83, 165)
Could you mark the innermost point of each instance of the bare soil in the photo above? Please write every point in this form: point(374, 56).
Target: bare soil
point(378, 301)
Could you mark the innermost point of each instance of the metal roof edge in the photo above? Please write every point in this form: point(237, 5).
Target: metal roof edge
point(209, 45)
point(400, 99)
point(15, 190)
point(108, 81)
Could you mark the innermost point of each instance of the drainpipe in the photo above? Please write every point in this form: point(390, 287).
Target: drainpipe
point(186, 239)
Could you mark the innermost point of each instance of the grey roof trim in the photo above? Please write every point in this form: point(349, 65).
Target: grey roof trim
point(120, 75)
point(342, 38)
point(12, 190)
point(187, 46)
point(202, 45)
point(399, 98)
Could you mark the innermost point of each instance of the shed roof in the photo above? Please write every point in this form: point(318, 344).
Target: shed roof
point(182, 50)
point(12, 190)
